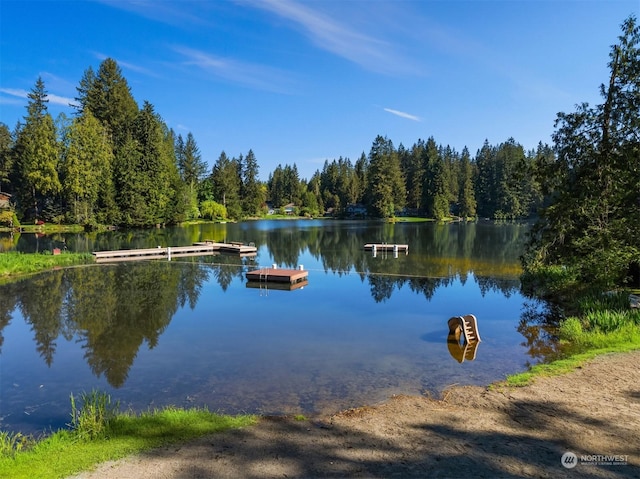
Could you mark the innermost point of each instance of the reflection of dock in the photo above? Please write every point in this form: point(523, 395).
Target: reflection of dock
point(272, 285)
point(282, 276)
point(197, 249)
point(396, 248)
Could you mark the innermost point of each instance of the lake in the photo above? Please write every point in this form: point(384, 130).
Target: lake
point(190, 332)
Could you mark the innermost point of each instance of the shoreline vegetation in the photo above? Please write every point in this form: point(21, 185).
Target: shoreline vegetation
point(15, 265)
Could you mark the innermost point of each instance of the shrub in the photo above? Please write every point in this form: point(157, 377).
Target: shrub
point(570, 329)
point(6, 218)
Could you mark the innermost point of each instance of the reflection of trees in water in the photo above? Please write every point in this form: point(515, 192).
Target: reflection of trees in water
point(225, 272)
point(112, 310)
point(539, 328)
point(7, 306)
point(437, 255)
point(43, 299)
point(136, 304)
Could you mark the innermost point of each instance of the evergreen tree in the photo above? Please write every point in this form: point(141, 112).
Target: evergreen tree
point(592, 223)
point(192, 169)
point(291, 181)
point(386, 190)
point(451, 160)
point(129, 177)
point(86, 92)
point(226, 185)
point(144, 172)
point(486, 183)
point(435, 195)
point(37, 150)
point(6, 156)
point(275, 187)
point(466, 198)
point(361, 169)
point(180, 206)
point(252, 193)
point(510, 181)
point(86, 167)
point(313, 187)
point(414, 173)
point(108, 96)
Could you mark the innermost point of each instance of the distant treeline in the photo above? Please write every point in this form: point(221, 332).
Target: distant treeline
point(117, 163)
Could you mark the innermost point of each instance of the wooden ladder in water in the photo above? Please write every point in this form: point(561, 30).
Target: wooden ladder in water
point(470, 328)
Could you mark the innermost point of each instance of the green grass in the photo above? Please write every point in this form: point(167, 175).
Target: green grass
point(68, 452)
point(605, 324)
point(16, 264)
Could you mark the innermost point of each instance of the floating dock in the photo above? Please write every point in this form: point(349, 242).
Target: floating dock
point(197, 249)
point(291, 277)
point(387, 247)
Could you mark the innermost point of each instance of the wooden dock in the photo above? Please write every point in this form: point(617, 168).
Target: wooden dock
point(197, 249)
point(278, 275)
point(387, 247)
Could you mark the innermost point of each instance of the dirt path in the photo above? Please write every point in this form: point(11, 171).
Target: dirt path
point(471, 432)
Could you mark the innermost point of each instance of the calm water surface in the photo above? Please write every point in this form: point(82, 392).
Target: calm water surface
point(191, 333)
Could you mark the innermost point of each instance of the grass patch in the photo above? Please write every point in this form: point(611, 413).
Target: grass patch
point(68, 452)
point(566, 365)
point(14, 263)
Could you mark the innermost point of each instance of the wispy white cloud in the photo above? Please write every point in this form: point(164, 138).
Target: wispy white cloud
point(53, 99)
point(250, 75)
point(14, 92)
point(402, 114)
point(61, 100)
point(339, 38)
point(126, 65)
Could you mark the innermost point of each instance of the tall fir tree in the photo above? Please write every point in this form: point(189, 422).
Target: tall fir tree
point(6, 157)
point(466, 198)
point(38, 155)
point(386, 190)
point(108, 96)
point(252, 192)
point(192, 169)
point(435, 195)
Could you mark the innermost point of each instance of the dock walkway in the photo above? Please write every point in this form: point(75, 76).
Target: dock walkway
point(197, 249)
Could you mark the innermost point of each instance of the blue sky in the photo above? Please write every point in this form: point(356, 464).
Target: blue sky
point(304, 81)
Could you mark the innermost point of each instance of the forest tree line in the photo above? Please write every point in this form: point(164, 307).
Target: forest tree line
point(116, 163)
